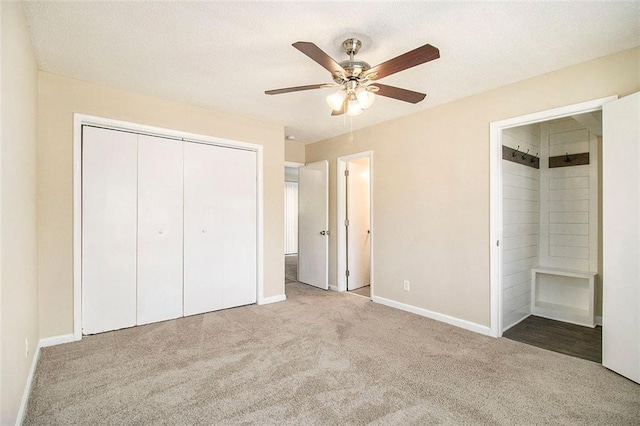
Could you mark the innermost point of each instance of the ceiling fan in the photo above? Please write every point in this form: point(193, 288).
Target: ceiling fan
point(357, 81)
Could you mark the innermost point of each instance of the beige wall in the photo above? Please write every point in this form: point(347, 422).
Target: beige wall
point(431, 184)
point(18, 285)
point(293, 151)
point(58, 99)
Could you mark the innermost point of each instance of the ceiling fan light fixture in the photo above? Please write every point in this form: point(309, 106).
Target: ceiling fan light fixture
point(354, 77)
point(353, 107)
point(336, 99)
point(365, 97)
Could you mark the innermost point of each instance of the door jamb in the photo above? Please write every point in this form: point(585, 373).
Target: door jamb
point(495, 177)
point(340, 216)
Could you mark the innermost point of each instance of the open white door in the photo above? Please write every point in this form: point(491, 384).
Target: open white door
point(359, 224)
point(313, 224)
point(621, 237)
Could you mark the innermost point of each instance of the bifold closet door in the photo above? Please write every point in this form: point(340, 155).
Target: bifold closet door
point(159, 229)
point(109, 199)
point(219, 228)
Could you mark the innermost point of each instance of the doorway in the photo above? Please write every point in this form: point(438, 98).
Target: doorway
point(355, 246)
point(619, 232)
point(547, 229)
point(291, 222)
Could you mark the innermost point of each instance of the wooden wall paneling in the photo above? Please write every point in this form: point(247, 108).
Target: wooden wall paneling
point(520, 215)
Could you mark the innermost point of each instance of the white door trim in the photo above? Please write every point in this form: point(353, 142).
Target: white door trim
point(495, 202)
point(82, 119)
point(341, 206)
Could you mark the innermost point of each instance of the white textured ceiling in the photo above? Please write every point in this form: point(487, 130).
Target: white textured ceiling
point(224, 55)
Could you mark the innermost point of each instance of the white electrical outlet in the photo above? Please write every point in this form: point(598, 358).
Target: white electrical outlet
point(407, 285)
point(26, 348)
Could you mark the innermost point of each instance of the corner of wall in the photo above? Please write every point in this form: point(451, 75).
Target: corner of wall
point(294, 152)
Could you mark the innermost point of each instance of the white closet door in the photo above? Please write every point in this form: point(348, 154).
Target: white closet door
point(202, 229)
point(238, 198)
point(159, 229)
point(109, 198)
point(220, 228)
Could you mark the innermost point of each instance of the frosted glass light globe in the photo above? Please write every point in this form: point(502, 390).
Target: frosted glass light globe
point(365, 97)
point(336, 100)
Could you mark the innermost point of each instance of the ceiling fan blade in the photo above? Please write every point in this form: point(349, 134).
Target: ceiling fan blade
point(398, 93)
point(318, 55)
point(405, 61)
point(296, 89)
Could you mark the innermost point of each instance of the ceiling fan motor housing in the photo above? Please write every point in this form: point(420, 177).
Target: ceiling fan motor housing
point(352, 67)
point(351, 46)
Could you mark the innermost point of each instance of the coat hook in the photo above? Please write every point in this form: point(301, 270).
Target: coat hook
point(567, 159)
point(513, 154)
point(533, 159)
point(525, 155)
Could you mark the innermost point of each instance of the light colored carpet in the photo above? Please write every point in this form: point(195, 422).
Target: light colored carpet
point(320, 358)
point(362, 291)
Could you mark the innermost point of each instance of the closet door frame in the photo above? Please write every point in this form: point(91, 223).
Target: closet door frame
point(495, 190)
point(80, 120)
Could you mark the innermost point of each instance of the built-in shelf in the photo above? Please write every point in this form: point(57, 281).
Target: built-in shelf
point(563, 295)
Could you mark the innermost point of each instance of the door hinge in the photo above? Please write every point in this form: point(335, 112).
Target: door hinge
point(346, 222)
point(346, 173)
point(347, 273)
point(497, 243)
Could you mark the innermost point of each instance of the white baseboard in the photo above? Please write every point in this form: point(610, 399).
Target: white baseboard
point(56, 340)
point(42, 343)
point(467, 325)
point(334, 288)
point(599, 320)
point(27, 387)
point(272, 299)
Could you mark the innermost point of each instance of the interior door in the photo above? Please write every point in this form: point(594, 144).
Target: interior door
point(159, 229)
point(313, 224)
point(359, 223)
point(621, 237)
point(109, 208)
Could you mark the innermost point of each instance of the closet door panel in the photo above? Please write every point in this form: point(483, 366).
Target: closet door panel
point(203, 228)
point(109, 199)
point(239, 233)
point(160, 232)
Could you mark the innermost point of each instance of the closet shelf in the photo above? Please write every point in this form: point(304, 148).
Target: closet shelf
point(563, 285)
